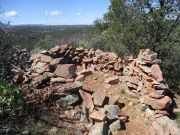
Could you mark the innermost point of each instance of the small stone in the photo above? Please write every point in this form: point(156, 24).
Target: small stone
point(115, 126)
point(112, 80)
point(58, 79)
point(85, 72)
point(97, 116)
point(80, 78)
point(145, 69)
point(131, 86)
point(54, 49)
point(161, 87)
point(99, 97)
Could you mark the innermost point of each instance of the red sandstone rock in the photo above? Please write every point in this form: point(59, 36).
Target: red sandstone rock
point(156, 72)
point(65, 70)
point(54, 49)
point(99, 97)
point(112, 80)
point(80, 78)
point(46, 58)
point(87, 100)
point(158, 104)
point(97, 116)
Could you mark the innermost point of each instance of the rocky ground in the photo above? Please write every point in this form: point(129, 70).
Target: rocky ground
point(85, 91)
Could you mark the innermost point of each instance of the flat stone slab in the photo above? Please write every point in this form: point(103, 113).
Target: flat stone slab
point(99, 97)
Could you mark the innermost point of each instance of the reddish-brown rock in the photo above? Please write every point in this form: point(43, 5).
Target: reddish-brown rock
point(97, 116)
point(69, 87)
point(113, 99)
point(65, 70)
point(99, 97)
point(156, 72)
point(54, 49)
point(112, 56)
point(112, 80)
point(87, 100)
point(80, 78)
point(46, 58)
point(158, 104)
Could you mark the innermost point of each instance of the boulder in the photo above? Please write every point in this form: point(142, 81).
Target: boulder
point(65, 70)
point(99, 97)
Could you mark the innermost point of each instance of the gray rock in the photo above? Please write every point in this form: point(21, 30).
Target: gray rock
point(84, 116)
point(157, 61)
point(161, 87)
point(112, 111)
point(97, 129)
point(39, 67)
point(115, 126)
point(67, 101)
point(145, 69)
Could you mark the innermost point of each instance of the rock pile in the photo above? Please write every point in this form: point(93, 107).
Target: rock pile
point(144, 78)
point(54, 76)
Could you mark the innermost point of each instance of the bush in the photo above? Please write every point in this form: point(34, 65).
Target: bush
point(11, 98)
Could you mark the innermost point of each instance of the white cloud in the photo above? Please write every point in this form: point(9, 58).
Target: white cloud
point(78, 13)
point(53, 13)
point(12, 13)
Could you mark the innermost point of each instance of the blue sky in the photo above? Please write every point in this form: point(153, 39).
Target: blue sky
point(54, 12)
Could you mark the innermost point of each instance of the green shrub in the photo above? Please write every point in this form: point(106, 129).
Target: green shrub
point(11, 99)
